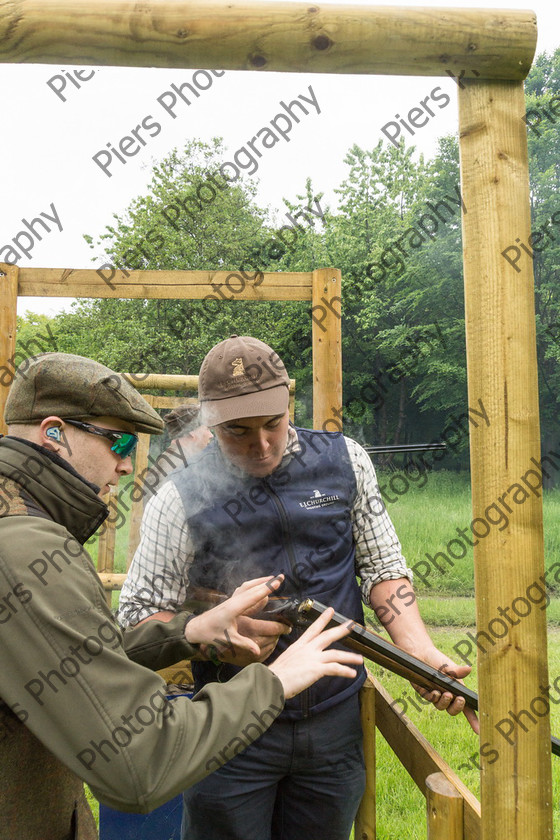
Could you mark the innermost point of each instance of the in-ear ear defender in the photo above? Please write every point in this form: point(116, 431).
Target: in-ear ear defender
point(53, 433)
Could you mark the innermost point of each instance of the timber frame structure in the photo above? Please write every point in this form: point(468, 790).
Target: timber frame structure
point(491, 52)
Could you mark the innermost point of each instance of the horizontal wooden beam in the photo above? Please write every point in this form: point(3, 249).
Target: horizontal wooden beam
point(166, 402)
point(169, 381)
point(171, 285)
point(172, 382)
point(111, 581)
point(276, 36)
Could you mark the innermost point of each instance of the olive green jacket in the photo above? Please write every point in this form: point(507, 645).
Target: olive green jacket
point(73, 705)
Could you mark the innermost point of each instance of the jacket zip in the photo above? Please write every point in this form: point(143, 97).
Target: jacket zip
point(293, 566)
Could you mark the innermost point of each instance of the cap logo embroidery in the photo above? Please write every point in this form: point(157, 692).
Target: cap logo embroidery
point(238, 368)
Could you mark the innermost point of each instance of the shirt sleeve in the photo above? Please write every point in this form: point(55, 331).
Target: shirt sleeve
point(378, 550)
point(158, 575)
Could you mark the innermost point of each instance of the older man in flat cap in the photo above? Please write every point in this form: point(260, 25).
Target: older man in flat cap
point(72, 705)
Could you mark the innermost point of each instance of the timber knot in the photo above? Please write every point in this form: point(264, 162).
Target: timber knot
point(322, 42)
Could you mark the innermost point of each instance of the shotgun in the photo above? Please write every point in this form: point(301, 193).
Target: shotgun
point(372, 646)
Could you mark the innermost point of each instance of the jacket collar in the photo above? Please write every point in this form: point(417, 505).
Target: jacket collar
point(65, 496)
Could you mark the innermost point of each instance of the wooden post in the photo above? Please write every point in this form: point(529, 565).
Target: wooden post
point(326, 304)
point(290, 36)
point(444, 806)
point(106, 541)
point(8, 328)
point(141, 466)
point(502, 377)
point(364, 827)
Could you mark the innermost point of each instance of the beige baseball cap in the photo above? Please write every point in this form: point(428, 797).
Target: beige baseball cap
point(242, 377)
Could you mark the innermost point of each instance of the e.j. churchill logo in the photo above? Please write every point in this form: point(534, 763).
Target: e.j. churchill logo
point(319, 499)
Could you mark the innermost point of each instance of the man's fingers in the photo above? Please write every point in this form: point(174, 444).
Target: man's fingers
point(334, 669)
point(451, 704)
point(267, 580)
point(336, 633)
point(239, 643)
point(252, 593)
point(456, 672)
point(347, 657)
point(318, 625)
point(444, 701)
point(472, 718)
point(261, 627)
point(330, 636)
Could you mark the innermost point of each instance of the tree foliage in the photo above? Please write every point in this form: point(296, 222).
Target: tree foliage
point(395, 235)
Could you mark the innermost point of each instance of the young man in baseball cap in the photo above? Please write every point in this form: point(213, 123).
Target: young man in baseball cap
point(72, 705)
point(266, 495)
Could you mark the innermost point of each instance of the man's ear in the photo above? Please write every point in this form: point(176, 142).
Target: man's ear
point(53, 436)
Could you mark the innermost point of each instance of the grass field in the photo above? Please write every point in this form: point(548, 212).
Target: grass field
point(426, 519)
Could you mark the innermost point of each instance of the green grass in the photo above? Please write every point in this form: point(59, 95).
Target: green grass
point(426, 519)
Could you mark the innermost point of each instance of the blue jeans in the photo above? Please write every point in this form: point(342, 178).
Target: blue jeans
point(301, 780)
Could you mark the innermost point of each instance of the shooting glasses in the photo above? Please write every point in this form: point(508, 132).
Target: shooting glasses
point(124, 443)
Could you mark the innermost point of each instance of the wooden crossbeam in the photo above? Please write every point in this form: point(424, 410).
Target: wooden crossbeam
point(276, 36)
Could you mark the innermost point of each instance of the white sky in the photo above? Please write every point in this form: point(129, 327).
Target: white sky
point(47, 145)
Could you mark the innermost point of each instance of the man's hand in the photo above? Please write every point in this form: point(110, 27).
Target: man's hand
point(307, 660)
point(229, 629)
point(444, 700)
point(265, 633)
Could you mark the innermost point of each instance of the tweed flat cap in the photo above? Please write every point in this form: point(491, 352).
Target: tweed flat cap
point(75, 388)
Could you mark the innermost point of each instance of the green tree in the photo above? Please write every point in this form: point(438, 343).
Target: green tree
point(35, 334)
point(191, 218)
point(398, 327)
point(542, 88)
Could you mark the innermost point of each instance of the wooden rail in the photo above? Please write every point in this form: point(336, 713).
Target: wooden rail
point(276, 36)
point(163, 285)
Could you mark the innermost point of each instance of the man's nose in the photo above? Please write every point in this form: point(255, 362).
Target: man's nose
point(261, 443)
point(124, 467)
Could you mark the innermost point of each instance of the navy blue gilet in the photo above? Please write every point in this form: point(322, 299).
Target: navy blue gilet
point(296, 521)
